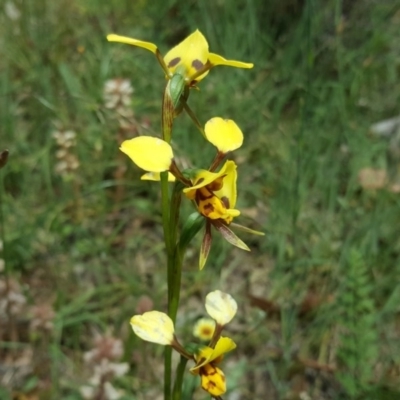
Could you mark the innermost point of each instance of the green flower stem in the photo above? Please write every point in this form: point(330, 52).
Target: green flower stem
point(167, 372)
point(217, 160)
point(170, 215)
point(175, 263)
point(166, 213)
point(194, 119)
point(177, 393)
point(170, 255)
point(176, 288)
point(174, 211)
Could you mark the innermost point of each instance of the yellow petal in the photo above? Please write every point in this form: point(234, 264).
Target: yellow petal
point(153, 326)
point(134, 42)
point(221, 307)
point(224, 134)
point(216, 59)
point(228, 190)
point(191, 54)
point(213, 380)
point(155, 176)
point(149, 153)
point(207, 355)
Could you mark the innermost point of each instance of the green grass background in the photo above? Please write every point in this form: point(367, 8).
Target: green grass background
point(325, 71)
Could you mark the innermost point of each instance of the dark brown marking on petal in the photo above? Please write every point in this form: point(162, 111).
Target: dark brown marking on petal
point(208, 208)
point(174, 62)
point(225, 200)
point(199, 181)
point(197, 65)
point(202, 195)
point(217, 184)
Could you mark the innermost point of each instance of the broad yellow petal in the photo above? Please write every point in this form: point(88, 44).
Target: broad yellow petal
point(221, 307)
point(191, 55)
point(154, 326)
point(155, 176)
point(149, 153)
point(216, 59)
point(224, 134)
point(134, 42)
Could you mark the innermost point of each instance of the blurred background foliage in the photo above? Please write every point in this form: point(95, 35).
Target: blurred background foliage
point(81, 246)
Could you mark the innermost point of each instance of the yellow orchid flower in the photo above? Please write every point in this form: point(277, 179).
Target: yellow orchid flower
point(212, 378)
point(215, 192)
point(190, 58)
point(215, 196)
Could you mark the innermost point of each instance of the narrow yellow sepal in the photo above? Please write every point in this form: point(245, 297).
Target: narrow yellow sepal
point(134, 42)
point(216, 59)
point(224, 134)
point(149, 153)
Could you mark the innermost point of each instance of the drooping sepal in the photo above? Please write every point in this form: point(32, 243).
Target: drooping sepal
point(246, 229)
point(205, 246)
point(228, 235)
